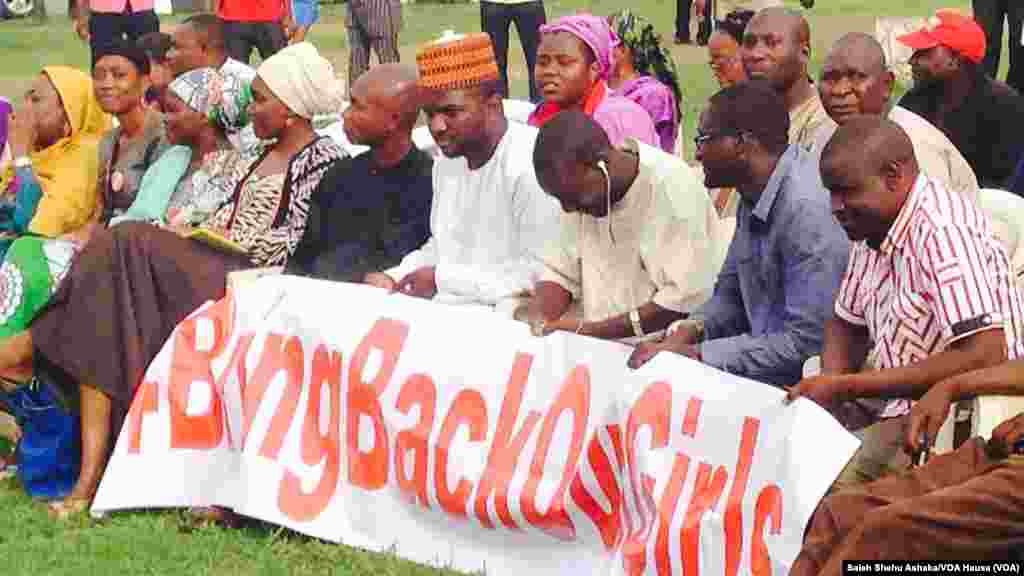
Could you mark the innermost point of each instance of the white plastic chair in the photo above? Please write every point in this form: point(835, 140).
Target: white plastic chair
point(1006, 212)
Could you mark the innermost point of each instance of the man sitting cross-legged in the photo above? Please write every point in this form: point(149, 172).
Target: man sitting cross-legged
point(963, 505)
point(775, 290)
point(636, 231)
point(371, 210)
point(928, 285)
point(489, 218)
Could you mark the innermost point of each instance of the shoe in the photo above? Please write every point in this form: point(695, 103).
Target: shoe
point(681, 40)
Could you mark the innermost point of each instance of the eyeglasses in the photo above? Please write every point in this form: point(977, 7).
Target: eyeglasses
point(703, 138)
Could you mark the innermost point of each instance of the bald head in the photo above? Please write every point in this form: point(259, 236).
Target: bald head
point(785, 20)
point(870, 142)
point(568, 157)
point(776, 47)
point(869, 169)
point(860, 47)
point(854, 78)
point(394, 87)
point(385, 103)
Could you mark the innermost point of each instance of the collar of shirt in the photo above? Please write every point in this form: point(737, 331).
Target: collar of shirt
point(406, 165)
point(763, 209)
point(899, 231)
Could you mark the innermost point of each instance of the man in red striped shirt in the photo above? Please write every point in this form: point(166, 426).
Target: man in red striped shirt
point(928, 290)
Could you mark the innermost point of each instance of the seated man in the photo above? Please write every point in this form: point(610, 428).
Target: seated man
point(489, 219)
point(855, 80)
point(981, 116)
point(787, 257)
point(964, 505)
point(928, 285)
point(777, 48)
point(637, 228)
point(371, 210)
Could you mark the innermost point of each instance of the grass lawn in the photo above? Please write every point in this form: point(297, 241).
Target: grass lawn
point(165, 542)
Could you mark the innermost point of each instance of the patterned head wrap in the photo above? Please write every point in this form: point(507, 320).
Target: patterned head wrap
point(223, 99)
point(650, 58)
point(594, 32)
point(456, 62)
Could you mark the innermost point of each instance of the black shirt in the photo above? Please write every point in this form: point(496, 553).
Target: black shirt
point(363, 218)
point(987, 128)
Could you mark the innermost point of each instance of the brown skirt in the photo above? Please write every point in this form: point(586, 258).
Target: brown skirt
point(124, 295)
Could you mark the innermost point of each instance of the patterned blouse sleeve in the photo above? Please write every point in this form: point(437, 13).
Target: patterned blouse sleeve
point(273, 247)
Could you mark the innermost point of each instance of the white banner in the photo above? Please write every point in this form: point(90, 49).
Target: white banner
point(455, 438)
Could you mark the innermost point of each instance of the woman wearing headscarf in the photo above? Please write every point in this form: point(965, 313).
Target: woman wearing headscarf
point(51, 187)
point(192, 175)
point(573, 62)
point(643, 71)
point(143, 279)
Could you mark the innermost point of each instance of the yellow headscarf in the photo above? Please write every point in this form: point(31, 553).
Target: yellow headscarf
point(68, 170)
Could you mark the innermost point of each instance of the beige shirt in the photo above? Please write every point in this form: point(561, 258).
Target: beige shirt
point(810, 126)
point(661, 246)
point(936, 155)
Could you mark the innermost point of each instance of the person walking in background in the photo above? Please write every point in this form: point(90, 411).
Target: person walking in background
point(256, 25)
point(643, 71)
point(372, 25)
point(305, 13)
point(101, 22)
point(528, 15)
point(990, 15)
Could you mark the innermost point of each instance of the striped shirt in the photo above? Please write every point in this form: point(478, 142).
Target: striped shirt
point(939, 276)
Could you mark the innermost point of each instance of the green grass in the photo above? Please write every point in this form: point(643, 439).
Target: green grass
point(168, 542)
point(165, 542)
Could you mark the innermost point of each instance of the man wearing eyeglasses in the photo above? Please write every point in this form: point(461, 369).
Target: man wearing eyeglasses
point(788, 254)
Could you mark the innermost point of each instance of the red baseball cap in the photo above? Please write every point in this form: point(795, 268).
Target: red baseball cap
point(951, 29)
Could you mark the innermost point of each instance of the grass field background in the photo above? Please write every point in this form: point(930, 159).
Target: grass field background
point(167, 542)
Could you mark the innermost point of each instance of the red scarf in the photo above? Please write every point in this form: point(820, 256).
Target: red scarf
point(547, 110)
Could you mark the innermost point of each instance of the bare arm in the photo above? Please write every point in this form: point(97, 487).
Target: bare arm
point(845, 347)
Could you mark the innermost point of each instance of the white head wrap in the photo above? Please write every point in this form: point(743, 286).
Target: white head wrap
point(304, 80)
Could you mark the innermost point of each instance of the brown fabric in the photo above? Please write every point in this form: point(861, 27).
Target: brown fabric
point(960, 506)
point(119, 303)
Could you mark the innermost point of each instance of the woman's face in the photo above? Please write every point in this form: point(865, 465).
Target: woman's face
point(44, 105)
point(269, 115)
point(724, 59)
point(182, 123)
point(118, 84)
point(565, 70)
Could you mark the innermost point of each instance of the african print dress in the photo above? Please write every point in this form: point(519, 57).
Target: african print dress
point(132, 284)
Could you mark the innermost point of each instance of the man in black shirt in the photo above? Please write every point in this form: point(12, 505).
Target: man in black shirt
point(981, 116)
point(372, 209)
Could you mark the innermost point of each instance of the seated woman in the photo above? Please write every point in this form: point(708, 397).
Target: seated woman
point(51, 187)
point(189, 176)
point(573, 62)
point(120, 77)
point(142, 280)
point(643, 71)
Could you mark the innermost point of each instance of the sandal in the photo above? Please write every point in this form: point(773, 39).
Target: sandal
point(206, 515)
point(68, 507)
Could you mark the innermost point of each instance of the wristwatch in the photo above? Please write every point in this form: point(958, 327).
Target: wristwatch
point(634, 319)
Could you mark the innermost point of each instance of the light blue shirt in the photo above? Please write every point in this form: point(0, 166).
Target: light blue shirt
point(780, 277)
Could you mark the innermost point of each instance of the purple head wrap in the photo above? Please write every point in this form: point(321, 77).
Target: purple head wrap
point(594, 31)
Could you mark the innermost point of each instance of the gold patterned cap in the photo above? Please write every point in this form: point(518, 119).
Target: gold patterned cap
point(456, 62)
